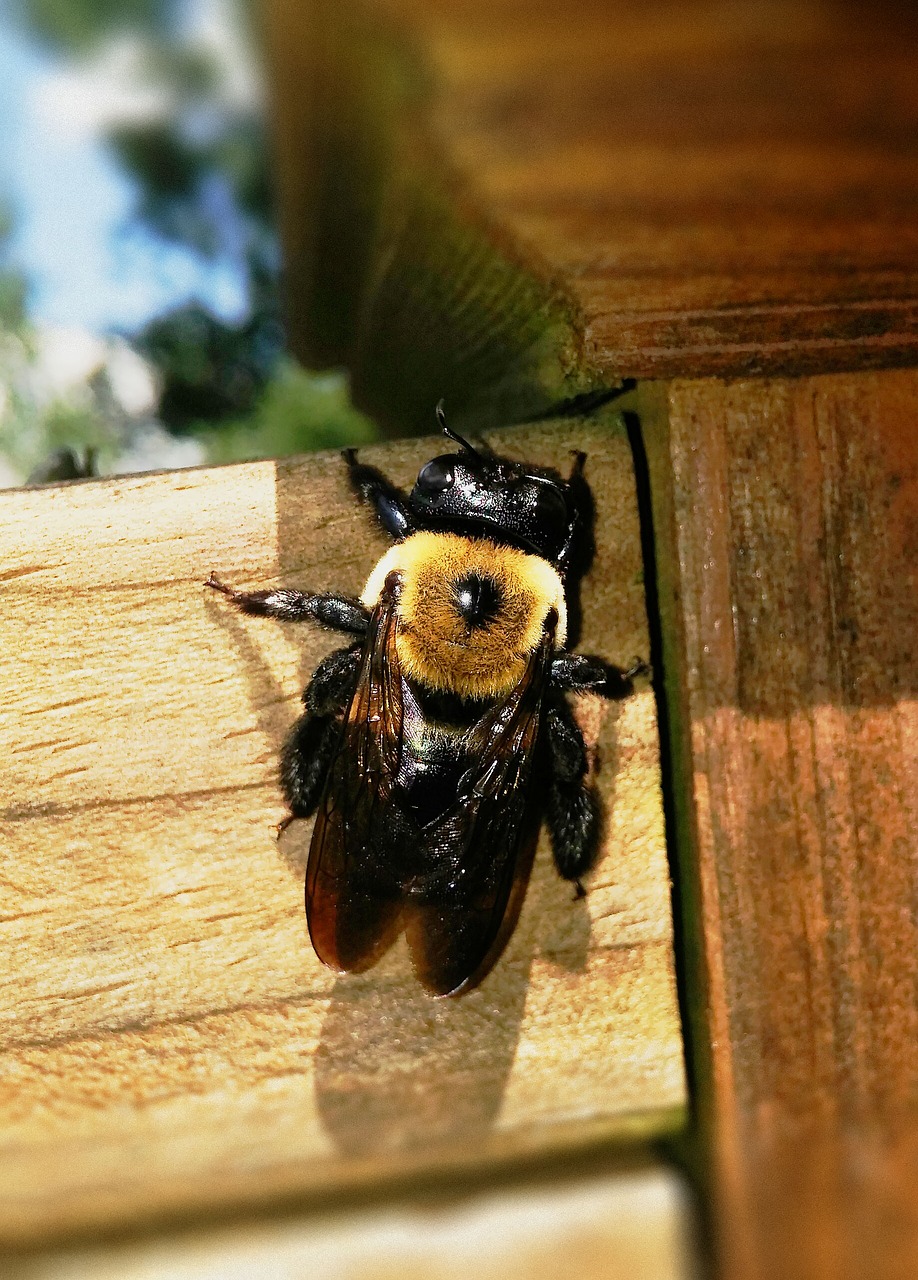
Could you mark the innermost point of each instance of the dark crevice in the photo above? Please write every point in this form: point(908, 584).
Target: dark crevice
point(588, 402)
point(685, 1149)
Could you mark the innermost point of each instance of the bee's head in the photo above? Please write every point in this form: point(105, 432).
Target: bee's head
point(480, 494)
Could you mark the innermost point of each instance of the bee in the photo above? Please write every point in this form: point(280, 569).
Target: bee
point(433, 745)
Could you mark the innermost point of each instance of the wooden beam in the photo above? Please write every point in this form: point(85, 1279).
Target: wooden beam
point(625, 1224)
point(169, 1044)
point(786, 518)
point(513, 204)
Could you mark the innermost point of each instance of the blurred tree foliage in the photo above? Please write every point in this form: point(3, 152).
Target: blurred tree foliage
point(12, 282)
point(200, 167)
point(313, 407)
point(36, 427)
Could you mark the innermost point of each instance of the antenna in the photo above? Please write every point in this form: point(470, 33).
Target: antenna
point(454, 435)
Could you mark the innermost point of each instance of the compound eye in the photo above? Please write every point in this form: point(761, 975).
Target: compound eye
point(436, 476)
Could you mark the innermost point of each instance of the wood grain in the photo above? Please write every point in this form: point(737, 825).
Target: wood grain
point(168, 1041)
point(786, 515)
point(521, 202)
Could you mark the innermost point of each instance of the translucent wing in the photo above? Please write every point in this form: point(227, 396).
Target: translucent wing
point(455, 883)
point(483, 847)
point(352, 898)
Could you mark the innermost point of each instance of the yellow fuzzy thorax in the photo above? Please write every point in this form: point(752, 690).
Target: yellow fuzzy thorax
point(434, 643)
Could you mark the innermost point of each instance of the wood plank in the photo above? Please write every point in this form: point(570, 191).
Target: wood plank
point(510, 204)
point(625, 1225)
point(168, 1041)
point(786, 515)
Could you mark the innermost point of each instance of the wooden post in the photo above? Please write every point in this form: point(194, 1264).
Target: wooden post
point(784, 513)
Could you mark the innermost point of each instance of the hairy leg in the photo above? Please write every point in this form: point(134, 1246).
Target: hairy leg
point(572, 811)
point(337, 612)
point(577, 673)
point(390, 503)
point(311, 743)
point(329, 691)
point(305, 761)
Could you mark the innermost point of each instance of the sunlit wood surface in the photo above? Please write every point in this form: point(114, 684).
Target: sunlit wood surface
point(630, 1224)
point(169, 1044)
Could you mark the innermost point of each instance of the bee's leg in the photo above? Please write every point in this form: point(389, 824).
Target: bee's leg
point(390, 503)
point(329, 691)
point(579, 547)
point(572, 811)
point(311, 742)
point(337, 612)
point(577, 673)
point(305, 761)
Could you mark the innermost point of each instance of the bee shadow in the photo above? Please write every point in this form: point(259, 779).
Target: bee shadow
point(398, 1072)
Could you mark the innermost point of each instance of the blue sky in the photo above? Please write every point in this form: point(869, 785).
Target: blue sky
point(72, 209)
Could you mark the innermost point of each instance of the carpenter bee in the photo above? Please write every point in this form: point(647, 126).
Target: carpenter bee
point(436, 741)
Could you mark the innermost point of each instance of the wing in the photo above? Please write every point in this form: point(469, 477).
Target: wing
point(459, 926)
point(353, 900)
point(456, 884)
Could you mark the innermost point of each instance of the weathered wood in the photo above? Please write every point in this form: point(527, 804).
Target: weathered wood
point(628, 1225)
point(786, 515)
point(168, 1041)
point(511, 204)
